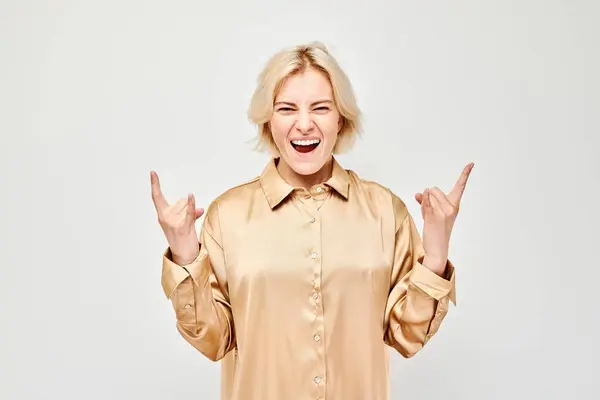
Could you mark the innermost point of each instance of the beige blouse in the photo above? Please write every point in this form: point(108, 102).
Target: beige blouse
point(301, 292)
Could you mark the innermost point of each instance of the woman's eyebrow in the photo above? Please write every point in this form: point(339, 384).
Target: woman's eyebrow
point(322, 101)
point(292, 104)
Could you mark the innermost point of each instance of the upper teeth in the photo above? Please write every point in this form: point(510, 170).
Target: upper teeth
point(305, 142)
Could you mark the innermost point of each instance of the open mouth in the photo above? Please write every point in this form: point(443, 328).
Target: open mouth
point(305, 146)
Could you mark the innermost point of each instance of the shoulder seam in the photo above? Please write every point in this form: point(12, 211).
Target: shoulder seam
point(256, 178)
point(248, 182)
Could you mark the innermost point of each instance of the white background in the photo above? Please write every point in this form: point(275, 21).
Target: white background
point(95, 94)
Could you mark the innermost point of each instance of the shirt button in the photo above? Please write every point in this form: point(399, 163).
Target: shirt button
point(315, 296)
point(319, 189)
point(317, 379)
point(187, 306)
point(313, 255)
point(312, 220)
point(317, 338)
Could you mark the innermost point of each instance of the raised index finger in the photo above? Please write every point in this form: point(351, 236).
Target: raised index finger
point(157, 197)
point(461, 184)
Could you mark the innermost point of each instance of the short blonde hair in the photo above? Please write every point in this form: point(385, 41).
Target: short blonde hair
point(294, 60)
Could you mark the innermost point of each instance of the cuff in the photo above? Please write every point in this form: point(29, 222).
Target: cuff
point(173, 274)
point(433, 284)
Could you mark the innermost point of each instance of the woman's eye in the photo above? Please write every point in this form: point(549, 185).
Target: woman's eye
point(322, 108)
point(285, 109)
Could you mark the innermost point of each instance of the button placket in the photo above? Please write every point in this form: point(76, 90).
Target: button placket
point(316, 258)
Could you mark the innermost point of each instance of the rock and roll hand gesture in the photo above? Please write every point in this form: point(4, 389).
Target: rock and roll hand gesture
point(439, 212)
point(178, 223)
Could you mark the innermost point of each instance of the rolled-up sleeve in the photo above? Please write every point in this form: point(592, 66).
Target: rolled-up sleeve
point(418, 298)
point(199, 295)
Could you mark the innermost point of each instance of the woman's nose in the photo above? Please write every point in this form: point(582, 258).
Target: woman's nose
point(304, 123)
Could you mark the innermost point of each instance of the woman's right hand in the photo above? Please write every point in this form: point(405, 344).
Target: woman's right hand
point(178, 223)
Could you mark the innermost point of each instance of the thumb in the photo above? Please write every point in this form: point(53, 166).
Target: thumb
point(419, 197)
point(192, 211)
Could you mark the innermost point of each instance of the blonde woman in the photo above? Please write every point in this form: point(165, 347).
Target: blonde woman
point(302, 278)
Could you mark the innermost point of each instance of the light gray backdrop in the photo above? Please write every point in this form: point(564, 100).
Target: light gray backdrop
point(94, 94)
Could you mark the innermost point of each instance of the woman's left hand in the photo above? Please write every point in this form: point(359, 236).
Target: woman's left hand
point(439, 213)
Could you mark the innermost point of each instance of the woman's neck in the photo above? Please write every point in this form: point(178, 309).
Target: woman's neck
point(304, 181)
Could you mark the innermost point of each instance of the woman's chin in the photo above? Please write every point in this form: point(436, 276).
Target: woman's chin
point(307, 165)
point(306, 169)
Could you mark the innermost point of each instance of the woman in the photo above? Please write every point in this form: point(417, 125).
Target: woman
point(304, 276)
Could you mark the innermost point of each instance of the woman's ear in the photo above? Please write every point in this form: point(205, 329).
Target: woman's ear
point(340, 124)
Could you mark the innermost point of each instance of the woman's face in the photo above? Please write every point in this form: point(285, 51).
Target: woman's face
point(305, 122)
